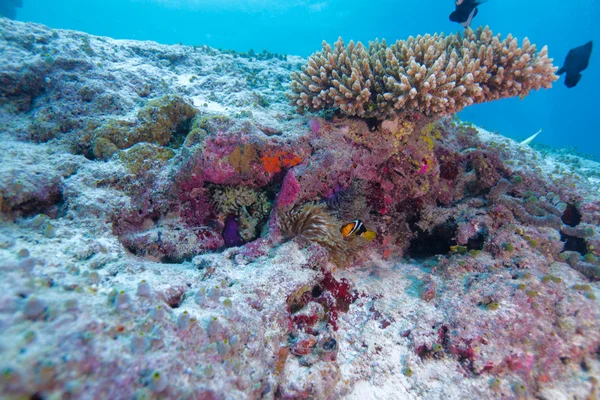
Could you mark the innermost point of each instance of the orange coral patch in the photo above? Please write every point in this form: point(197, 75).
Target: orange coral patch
point(291, 160)
point(280, 159)
point(272, 164)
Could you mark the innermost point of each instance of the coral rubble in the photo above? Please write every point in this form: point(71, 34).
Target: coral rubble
point(169, 225)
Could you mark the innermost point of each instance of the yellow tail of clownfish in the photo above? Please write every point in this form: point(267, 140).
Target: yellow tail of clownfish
point(369, 235)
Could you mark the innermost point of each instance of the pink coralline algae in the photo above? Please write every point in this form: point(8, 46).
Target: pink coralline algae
point(289, 190)
point(315, 125)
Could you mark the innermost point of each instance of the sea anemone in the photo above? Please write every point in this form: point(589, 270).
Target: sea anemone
point(310, 223)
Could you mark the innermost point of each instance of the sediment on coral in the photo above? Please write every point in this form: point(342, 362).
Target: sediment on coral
point(431, 75)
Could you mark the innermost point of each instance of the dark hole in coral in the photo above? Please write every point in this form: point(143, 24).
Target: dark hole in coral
point(329, 344)
point(571, 216)
point(273, 189)
point(573, 243)
point(295, 307)
point(449, 170)
point(178, 137)
point(437, 241)
point(316, 291)
point(477, 242)
point(231, 235)
point(52, 204)
point(175, 260)
point(203, 264)
point(328, 114)
point(36, 396)
point(422, 351)
point(372, 123)
point(439, 204)
point(584, 365)
point(174, 300)
point(443, 335)
point(469, 166)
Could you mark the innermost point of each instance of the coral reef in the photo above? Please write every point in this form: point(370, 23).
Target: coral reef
point(433, 76)
point(170, 227)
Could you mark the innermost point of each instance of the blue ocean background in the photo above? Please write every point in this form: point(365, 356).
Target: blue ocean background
point(568, 117)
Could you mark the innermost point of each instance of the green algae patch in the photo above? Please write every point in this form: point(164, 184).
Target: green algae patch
point(143, 157)
point(415, 288)
point(164, 121)
point(104, 149)
point(201, 125)
point(197, 132)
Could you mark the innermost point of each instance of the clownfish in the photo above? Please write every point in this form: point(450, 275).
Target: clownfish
point(357, 228)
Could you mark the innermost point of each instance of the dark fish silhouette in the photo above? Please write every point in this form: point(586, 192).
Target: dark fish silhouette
point(576, 61)
point(465, 11)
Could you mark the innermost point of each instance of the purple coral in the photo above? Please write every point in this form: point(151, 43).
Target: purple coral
point(231, 235)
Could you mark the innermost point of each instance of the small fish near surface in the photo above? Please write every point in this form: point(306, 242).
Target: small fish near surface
point(357, 228)
point(465, 11)
point(576, 61)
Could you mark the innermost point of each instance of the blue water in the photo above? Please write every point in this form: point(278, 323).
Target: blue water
point(568, 116)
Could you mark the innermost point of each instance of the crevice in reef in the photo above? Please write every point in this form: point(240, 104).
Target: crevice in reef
point(573, 243)
point(430, 243)
point(181, 132)
point(571, 216)
point(373, 123)
point(477, 241)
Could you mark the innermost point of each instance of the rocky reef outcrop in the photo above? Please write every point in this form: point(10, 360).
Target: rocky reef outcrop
point(170, 228)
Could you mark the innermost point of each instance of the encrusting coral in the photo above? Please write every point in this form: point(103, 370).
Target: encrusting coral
point(157, 122)
point(248, 205)
point(431, 75)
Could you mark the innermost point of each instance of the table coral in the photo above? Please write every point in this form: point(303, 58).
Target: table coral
point(434, 76)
